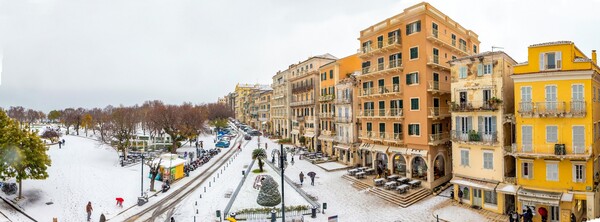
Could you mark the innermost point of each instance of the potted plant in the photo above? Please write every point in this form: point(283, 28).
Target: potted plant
point(474, 136)
point(494, 102)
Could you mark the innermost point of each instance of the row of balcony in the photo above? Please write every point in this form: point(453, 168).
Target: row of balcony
point(437, 87)
point(475, 106)
point(327, 115)
point(391, 66)
point(434, 62)
point(302, 103)
point(326, 98)
point(343, 119)
point(381, 113)
point(553, 109)
point(343, 100)
point(392, 43)
point(380, 90)
point(550, 151)
point(381, 136)
point(303, 88)
point(461, 49)
point(474, 137)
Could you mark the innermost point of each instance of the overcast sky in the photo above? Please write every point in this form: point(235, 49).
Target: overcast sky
point(59, 54)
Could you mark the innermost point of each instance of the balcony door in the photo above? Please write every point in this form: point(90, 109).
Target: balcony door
point(551, 102)
point(436, 106)
point(577, 100)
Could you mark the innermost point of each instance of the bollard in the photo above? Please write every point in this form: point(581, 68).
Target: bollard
point(217, 175)
point(208, 183)
point(204, 189)
point(313, 212)
point(273, 215)
point(196, 211)
point(200, 197)
point(197, 201)
point(194, 218)
point(214, 179)
point(324, 207)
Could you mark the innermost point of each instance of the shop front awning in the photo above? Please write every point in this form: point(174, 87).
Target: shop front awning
point(326, 138)
point(397, 150)
point(309, 135)
point(485, 185)
point(342, 147)
point(419, 152)
point(365, 146)
point(506, 188)
point(533, 197)
point(296, 132)
point(379, 148)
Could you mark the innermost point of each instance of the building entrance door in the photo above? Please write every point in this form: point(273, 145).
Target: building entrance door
point(477, 197)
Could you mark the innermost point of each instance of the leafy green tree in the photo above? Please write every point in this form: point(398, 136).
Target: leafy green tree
point(259, 154)
point(22, 153)
point(54, 115)
point(219, 123)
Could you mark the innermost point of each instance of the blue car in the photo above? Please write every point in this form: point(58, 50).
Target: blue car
point(222, 144)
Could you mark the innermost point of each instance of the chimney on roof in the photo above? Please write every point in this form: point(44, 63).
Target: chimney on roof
point(594, 56)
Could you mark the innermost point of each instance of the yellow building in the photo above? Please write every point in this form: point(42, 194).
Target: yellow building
point(557, 129)
point(280, 104)
point(404, 89)
point(247, 97)
point(304, 85)
point(331, 74)
point(264, 111)
point(481, 131)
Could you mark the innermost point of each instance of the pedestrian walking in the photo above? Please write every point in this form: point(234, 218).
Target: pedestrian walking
point(88, 210)
point(59, 144)
point(301, 178)
point(528, 216)
point(172, 219)
point(543, 213)
point(312, 177)
point(514, 216)
point(102, 218)
point(266, 145)
point(63, 141)
point(460, 195)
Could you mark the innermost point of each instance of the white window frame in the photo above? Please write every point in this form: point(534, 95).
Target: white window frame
point(549, 134)
point(492, 193)
point(529, 170)
point(544, 60)
point(410, 54)
point(582, 93)
point(523, 138)
point(487, 68)
point(574, 140)
point(491, 160)
point(418, 132)
point(413, 27)
point(464, 161)
point(419, 103)
point(550, 166)
point(575, 165)
point(462, 72)
point(411, 74)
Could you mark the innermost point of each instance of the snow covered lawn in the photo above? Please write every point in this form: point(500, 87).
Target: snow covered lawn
point(83, 170)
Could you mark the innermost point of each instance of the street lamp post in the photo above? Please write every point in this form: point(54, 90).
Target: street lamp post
point(281, 159)
point(142, 179)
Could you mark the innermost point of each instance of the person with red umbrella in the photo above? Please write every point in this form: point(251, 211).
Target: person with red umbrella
point(543, 213)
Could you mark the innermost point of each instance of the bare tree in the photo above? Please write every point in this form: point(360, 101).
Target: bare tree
point(78, 119)
point(18, 113)
point(120, 128)
point(154, 170)
point(179, 122)
point(68, 118)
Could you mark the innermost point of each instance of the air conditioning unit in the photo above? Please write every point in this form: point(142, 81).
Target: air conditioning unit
point(559, 149)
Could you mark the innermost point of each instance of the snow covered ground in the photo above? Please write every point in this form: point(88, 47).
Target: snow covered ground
point(342, 199)
point(83, 170)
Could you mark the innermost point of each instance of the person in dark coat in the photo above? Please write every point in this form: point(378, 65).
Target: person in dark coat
point(102, 218)
point(301, 178)
point(528, 216)
point(573, 218)
point(460, 195)
point(312, 179)
point(59, 144)
point(513, 216)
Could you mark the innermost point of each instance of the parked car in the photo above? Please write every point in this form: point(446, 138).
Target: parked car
point(255, 133)
point(247, 137)
point(222, 144)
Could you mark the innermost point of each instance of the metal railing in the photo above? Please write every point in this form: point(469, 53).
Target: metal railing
point(439, 111)
point(548, 149)
point(437, 86)
point(326, 115)
point(326, 98)
point(395, 112)
point(380, 90)
point(343, 119)
point(437, 138)
point(474, 136)
point(365, 134)
point(554, 109)
point(340, 100)
point(389, 66)
point(301, 103)
point(434, 33)
point(472, 106)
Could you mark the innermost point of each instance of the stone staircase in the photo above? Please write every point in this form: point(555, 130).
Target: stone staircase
point(403, 200)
